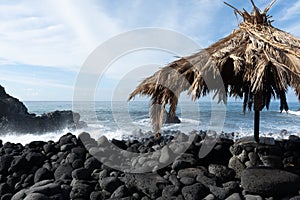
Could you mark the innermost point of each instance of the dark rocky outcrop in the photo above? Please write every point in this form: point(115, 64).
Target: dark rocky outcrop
point(14, 117)
point(167, 119)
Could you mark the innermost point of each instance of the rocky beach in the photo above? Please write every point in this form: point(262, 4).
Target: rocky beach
point(70, 169)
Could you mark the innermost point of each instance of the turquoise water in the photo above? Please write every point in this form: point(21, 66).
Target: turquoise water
point(115, 116)
point(122, 119)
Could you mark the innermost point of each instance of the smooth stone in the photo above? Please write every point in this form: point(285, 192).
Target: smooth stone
point(295, 198)
point(48, 189)
point(81, 174)
point(65, 139)
point(235, 196)
point(35, 158)
point(66, 147)
point(187, 180)
point(84, 136)
point(209, 197)
point(19, 163)
point(19, 195)
point(42, 174)
point(253, 197)
point(191, 172)
point(5, 162)
point(36, 196)
point(270, 182)
point(194, 192)
point(92, 163)
point(236, 165)
point(63, 171)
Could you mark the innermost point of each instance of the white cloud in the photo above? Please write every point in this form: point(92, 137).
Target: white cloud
point(52, 33)
point(292, 12)
point(33, 81)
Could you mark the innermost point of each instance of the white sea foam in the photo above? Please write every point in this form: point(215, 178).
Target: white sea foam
point(294, 112)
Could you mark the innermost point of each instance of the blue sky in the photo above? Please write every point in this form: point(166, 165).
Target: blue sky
point(44, 43)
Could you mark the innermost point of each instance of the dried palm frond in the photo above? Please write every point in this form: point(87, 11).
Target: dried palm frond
point(255, 62)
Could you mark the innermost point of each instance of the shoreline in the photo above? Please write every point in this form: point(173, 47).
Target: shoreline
point(169, 168)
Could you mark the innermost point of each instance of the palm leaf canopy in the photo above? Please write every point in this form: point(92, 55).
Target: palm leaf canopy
point(256, 62)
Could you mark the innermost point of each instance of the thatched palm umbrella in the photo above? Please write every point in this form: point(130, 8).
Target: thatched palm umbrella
point(256, 62)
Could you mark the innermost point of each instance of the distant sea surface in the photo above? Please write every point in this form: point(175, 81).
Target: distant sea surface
point(123, 119)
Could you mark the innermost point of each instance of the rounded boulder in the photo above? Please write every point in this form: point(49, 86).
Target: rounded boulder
point(270, 182)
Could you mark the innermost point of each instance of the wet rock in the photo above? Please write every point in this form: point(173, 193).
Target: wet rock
point(210, 197)
point(270, 182)
point(35, 158)
point(194, 192)
point(63, 171)
point(253, 197)
point(234, 196)
point(5, 162)
point(81, 174)
point(42, 174)
point(36, 196)
point(19, 163)
point(92, 163)
point(295, 198)
point(14, 116)
point(19, 195)
point(46, 187)
point(120, 144)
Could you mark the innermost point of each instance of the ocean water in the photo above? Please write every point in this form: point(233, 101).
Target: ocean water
point(126, 119)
